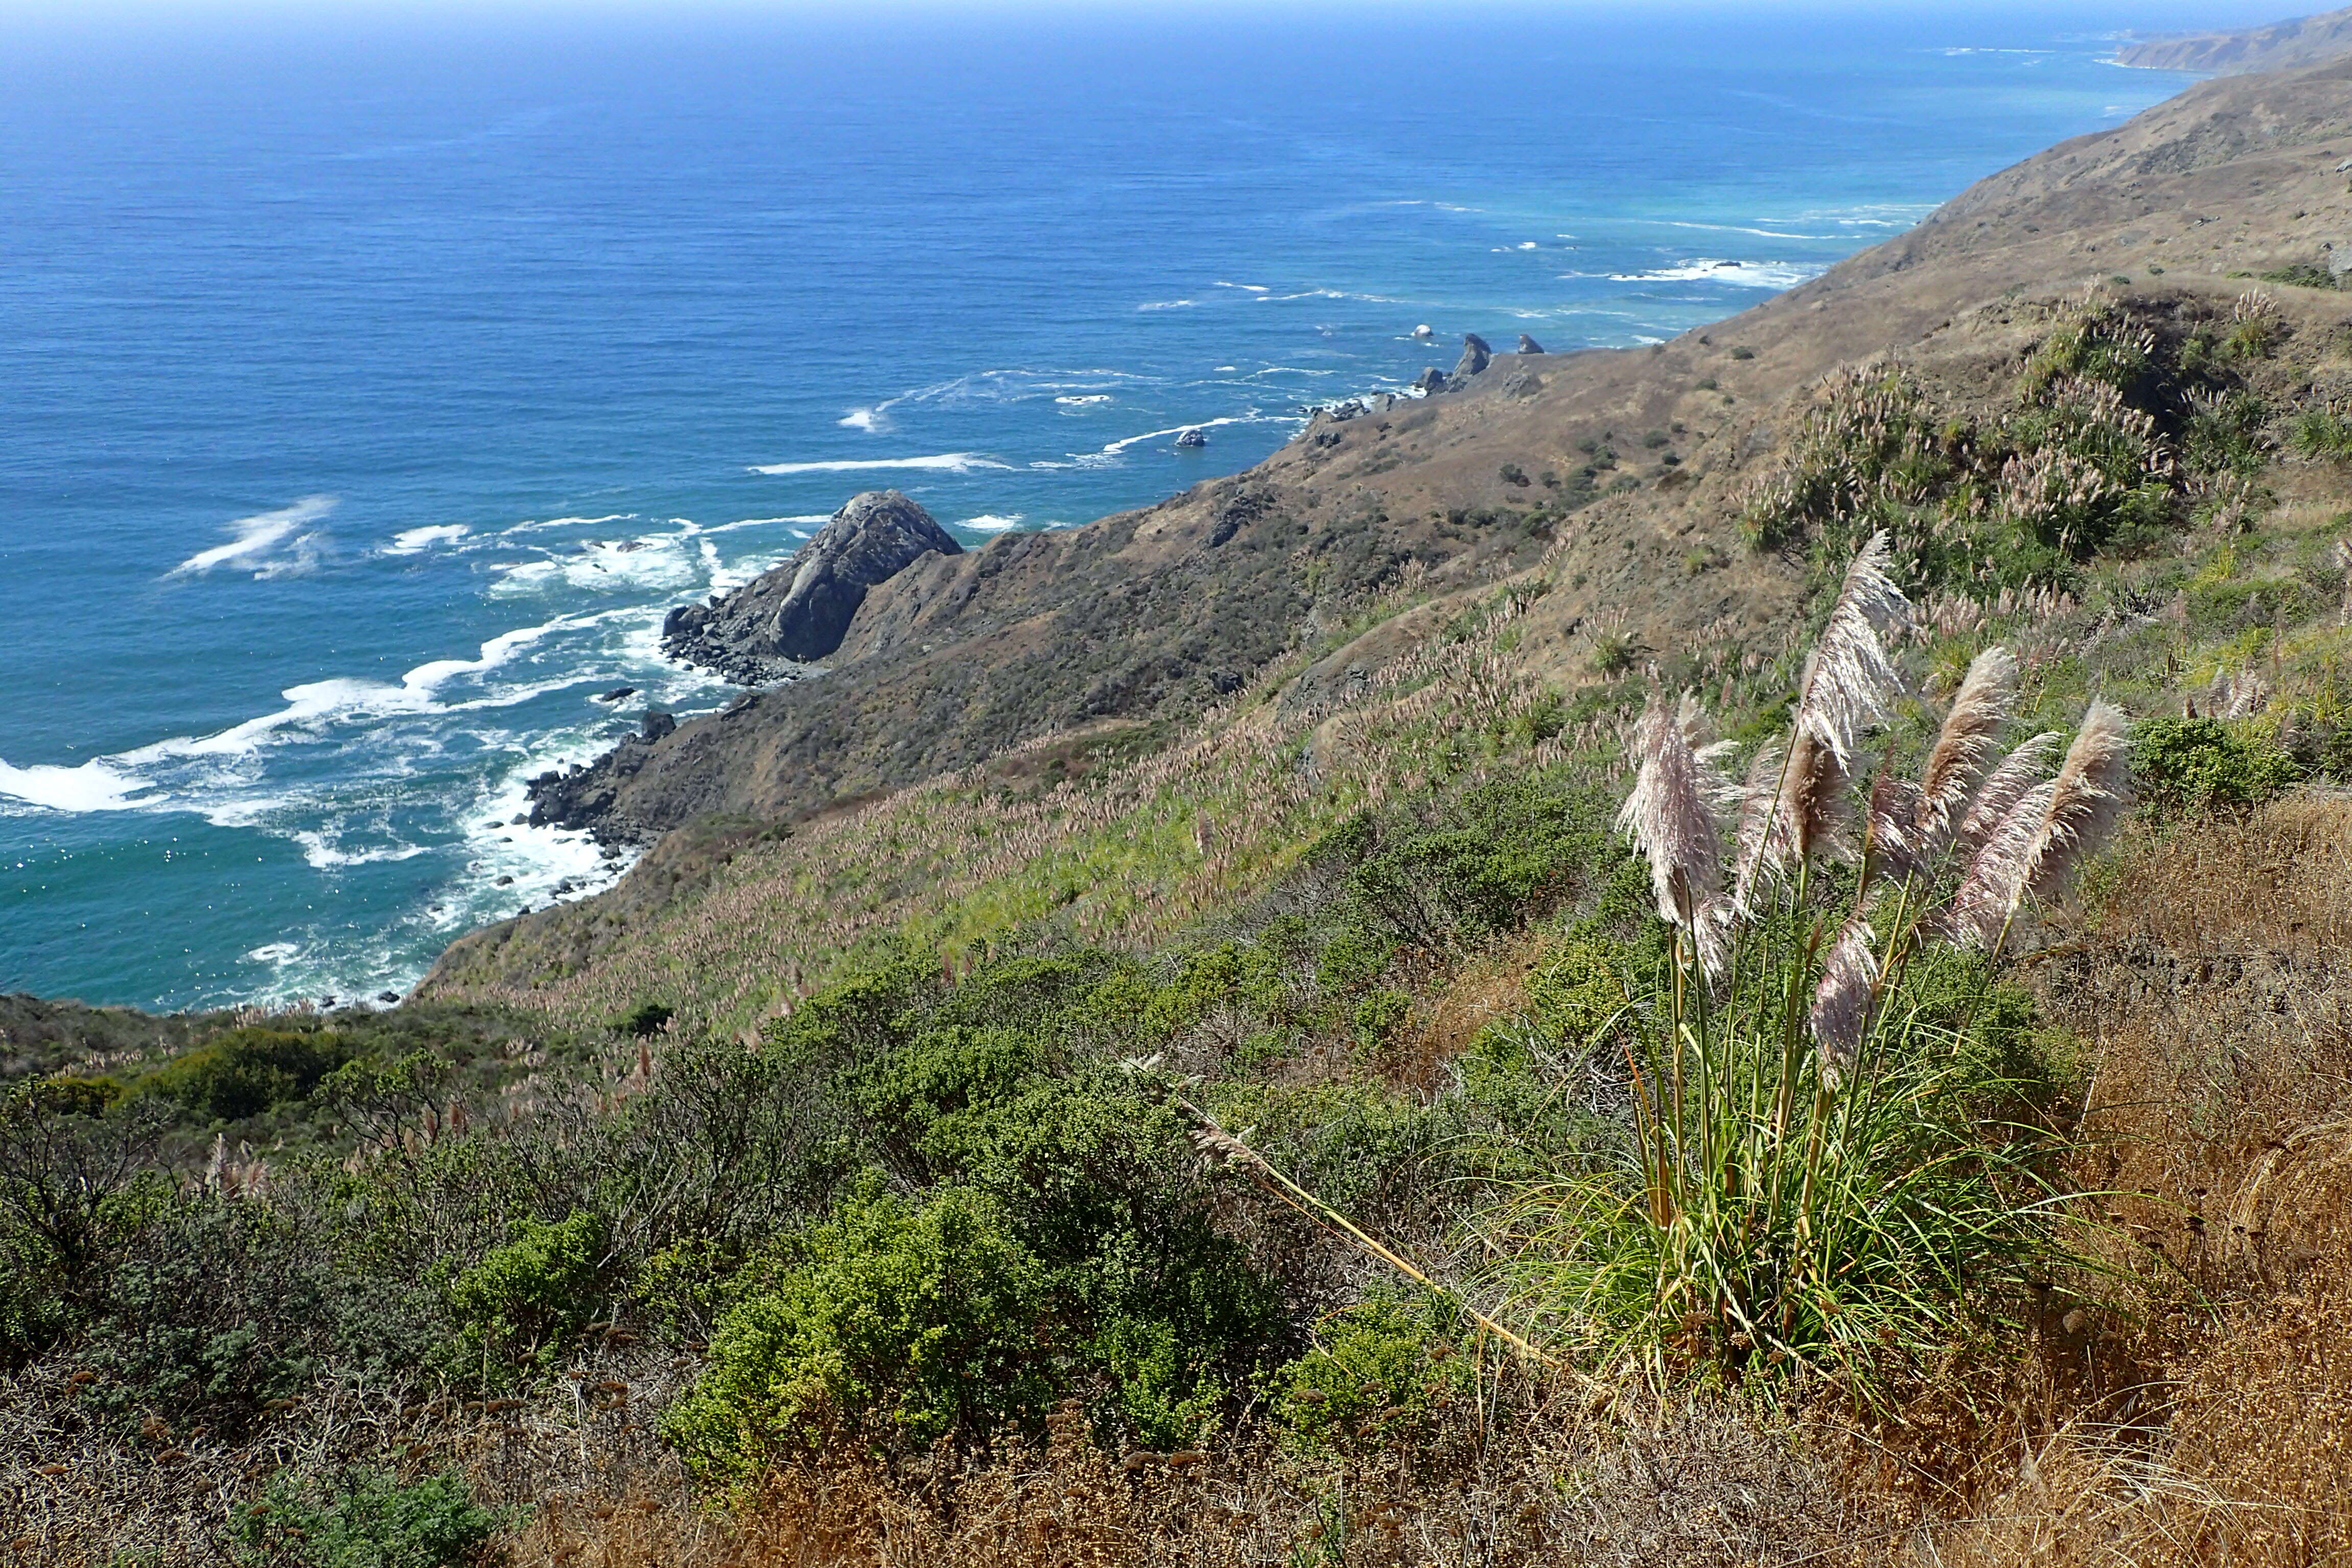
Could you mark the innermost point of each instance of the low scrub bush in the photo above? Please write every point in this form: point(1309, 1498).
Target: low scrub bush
point(368, 1518)
point(894, 1322)
point(1380, 1375)
point(2189, 765)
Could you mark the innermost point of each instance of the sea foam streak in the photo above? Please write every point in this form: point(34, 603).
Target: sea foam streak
point(1772, 275)
point(92, 786)
point(940, 462)
point(417, 541)
point(257, 537)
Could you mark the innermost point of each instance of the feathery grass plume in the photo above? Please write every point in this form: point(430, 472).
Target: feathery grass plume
point(1893, 848)
point(1802, 813)
point(1667, 816)
point(1965, 745)
point(1989, 894)
point(1752, 839)
point(2038, 843)
point(1842, 1002)
point(2008, 782)
point(1849, 681)
point(2093, 786)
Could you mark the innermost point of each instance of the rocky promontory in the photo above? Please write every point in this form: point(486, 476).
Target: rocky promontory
point(765, 630)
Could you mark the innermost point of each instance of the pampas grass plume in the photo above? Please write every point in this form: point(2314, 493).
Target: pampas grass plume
point(1842, 1002)
point(1965, 745)
point(1667, 815)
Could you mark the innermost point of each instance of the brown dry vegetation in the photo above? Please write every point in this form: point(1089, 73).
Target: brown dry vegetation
point(2192, 1405)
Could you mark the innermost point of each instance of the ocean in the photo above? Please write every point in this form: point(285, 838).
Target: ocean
point(374, 386)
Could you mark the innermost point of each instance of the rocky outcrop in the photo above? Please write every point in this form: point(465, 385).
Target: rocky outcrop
point(1527, 345)
point(1474, 356)
point(772, 626)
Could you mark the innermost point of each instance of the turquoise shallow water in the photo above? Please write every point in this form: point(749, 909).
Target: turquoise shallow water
point(373, 389)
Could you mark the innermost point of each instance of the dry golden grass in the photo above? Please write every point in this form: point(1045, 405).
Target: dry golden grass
point(1693, 1483)
point(2213, 1423)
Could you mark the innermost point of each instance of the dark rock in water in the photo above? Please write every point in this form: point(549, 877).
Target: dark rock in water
point(1474, 355)
point(801, 610)
point(1527, 345)
point(504, 881)
point(1430, 380)
point(387, 997)
point(1191, 438)
point(654, 725)
point(616, 694)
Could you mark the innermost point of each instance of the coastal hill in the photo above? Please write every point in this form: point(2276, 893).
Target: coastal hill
point(1208, 1038)
point(2279, 45)
point(1634, 460)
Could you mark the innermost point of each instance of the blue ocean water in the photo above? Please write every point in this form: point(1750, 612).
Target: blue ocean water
point(372, 388)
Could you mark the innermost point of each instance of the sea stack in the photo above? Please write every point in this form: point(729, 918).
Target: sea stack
point(1474, 356)
point(801, 610)
point(1527, 345)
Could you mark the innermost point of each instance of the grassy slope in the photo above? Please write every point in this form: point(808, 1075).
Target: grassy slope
point(2199, 986)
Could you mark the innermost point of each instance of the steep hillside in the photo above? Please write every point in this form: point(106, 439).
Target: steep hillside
point(1280, 1111)
point(2281, 46)
point(1619, 486)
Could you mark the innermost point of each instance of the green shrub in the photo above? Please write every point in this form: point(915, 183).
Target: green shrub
point(1379, 1014)
point(1379, 1376)
point(1500, 855)
point(2184, 765)
point(367, 1520)
point(526, 1299)
point(248, 1071)
point(1579, 993)
point(896, 1323)
point(2322, 433)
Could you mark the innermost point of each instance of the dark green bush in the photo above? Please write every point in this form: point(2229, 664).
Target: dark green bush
point(248, 1071)
point(1379, 1377)
point(526, 1298)
point(896, 1321)
point(1500, 855)
point(2183, 765)
point(367, 1519)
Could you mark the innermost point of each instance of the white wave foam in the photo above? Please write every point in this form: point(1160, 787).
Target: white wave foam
point(1335, 294)
point(257, 537)
point(323, 856)
point(570, 522)
point(1166, 304)
point(942, 462)
point(1738, 228)
point(989, 522)
point(275, 952)
point(92, 786)
point(1252, 417)
point(1247, 287)
point(1772, 275)
point(603, 566)
point(873, 421)
point(417, 541)
point(1076, 399)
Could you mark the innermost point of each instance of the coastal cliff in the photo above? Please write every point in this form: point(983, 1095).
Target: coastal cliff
point(2279, 45)
point(1643, 456)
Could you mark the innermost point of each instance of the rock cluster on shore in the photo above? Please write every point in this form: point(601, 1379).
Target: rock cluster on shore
point(772, 626)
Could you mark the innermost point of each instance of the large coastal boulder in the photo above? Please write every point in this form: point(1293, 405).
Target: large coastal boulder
point(801, 610)
point(1474, 356)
